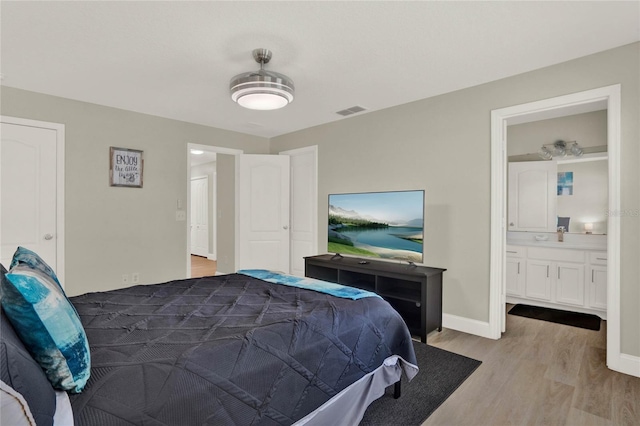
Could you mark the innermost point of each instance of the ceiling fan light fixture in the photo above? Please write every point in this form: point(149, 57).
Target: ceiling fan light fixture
point(262, 90)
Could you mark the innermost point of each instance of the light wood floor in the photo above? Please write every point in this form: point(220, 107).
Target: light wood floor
point(539, 373)
point(202, 267)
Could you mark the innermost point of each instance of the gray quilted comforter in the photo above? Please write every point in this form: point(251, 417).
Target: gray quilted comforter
point(227, 350)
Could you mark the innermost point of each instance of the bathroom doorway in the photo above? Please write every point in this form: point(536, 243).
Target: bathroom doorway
point(550, 108)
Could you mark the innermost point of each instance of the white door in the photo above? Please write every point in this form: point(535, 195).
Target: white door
point(28, 192)
point(263, 212)
point(304, 206)
point(200, 216)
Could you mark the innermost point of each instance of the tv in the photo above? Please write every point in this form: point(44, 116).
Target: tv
point(385, 225)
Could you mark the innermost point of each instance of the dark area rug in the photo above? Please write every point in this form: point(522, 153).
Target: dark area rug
point(441, 372)
point(574, 319)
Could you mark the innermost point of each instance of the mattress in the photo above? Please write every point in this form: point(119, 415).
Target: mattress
point(228, 350)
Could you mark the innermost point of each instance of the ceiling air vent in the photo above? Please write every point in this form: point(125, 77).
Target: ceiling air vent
point(352, 110)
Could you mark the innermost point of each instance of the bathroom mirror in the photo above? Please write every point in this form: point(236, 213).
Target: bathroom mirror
point(586, 202)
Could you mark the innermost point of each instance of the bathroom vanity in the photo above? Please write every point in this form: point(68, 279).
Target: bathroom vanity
point(569, 275)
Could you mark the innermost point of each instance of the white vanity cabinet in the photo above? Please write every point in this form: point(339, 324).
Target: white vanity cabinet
point(538, 282)
point(532, 196)
point(516, 270)
point(556, 275)
point(570, 283)
point(597, 280)
point(569, 279)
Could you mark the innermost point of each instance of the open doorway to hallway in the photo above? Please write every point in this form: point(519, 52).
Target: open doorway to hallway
point(202, 220)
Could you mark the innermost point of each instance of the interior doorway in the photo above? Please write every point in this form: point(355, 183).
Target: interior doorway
point(604, 98)
point(303, 202)
point(201, 163)
point(553, 188)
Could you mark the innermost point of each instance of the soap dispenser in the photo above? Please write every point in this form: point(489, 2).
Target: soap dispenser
point(560, 234)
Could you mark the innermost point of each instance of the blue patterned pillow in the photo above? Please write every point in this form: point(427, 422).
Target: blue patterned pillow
point(32, 260)
point(49, 326)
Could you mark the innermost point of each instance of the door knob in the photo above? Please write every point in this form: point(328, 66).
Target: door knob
point(48, 237)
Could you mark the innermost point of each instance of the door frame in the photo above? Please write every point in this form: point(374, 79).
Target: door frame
point(610, 98)
point(60, 152)
point(210, 148)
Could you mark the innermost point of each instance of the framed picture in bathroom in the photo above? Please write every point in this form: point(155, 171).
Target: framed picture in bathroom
point(565, 183)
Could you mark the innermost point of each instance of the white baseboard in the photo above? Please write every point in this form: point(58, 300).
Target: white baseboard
point(212, 256)
point(466, 325)
point(627, 364)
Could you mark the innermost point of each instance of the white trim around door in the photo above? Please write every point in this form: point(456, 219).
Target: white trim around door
point(60, 151)
point(605, 97)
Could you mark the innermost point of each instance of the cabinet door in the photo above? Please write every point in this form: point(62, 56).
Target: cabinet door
point(598, 287)
point(532, 189)
point(538, 282)
point(515, 276)
point(570, 283)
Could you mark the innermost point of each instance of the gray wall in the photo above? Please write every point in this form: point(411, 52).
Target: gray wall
point(442, 144)
point(112, 231)
point(588, 129)
point(226, 211)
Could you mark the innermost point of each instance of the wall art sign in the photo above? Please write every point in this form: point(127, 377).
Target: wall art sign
point(125, 167)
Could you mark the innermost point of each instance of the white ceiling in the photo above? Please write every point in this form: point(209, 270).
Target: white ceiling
point(175, 59)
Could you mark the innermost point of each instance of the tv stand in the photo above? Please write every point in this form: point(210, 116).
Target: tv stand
point(414, 291)
point(336, 256)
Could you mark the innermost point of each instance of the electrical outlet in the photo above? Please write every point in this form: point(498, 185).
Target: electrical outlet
point(181, 215)
point(125, 279)
point(135, 278)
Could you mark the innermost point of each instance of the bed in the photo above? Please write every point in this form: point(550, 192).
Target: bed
point(235, 350)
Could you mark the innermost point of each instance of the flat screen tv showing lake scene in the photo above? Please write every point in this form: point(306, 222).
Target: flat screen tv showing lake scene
point(385, 225)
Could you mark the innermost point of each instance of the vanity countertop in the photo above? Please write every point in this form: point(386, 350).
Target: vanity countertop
point(571, 241)
point(557, 244)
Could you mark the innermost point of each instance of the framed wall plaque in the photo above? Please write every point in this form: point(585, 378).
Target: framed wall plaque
point(125, 167)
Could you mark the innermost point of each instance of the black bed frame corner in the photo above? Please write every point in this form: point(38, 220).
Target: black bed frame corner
point(397, 389)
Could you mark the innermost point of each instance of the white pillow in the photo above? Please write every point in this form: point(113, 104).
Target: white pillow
point(13, 408)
